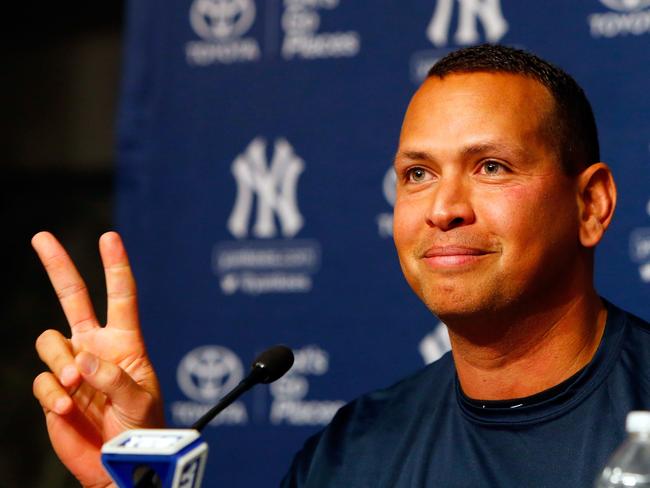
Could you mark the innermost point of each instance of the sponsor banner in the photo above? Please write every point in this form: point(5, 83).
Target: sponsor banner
point(223, 28)
point(256, 267)
point(204, 375)
point(291, 404)
point(640, 249)
point(478, 21)
point(385, 219)
point(302, 39)
point(256, 197)
point(207, 373)
point(435, 344)
point(266, 207)
point(623, 18)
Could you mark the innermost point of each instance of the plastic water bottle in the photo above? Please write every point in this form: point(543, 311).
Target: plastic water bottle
point(630, 464)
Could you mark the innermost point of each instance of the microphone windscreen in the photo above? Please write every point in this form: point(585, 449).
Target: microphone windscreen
point(273, 363)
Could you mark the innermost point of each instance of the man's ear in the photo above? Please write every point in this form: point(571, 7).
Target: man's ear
point(596, 201)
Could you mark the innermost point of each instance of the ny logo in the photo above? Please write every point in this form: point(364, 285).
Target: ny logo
point(275, 187)
point(487, 11)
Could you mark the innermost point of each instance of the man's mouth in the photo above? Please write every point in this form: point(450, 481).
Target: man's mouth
point(451, 256)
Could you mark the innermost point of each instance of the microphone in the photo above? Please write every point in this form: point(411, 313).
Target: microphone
point(267, 367)
point(176, 458)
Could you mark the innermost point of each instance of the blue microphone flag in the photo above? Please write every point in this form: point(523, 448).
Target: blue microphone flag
point(177, 456)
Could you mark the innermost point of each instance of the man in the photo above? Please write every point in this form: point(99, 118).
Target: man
point(501, 200)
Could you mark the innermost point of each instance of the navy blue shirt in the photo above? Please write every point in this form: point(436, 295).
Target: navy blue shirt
point(424, 432)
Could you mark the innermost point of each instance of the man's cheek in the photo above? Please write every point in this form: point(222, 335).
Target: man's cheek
point(514, 217)
point(405, 224)
point(513, 203)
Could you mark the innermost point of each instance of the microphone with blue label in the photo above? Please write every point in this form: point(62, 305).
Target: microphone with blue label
point(176, 458)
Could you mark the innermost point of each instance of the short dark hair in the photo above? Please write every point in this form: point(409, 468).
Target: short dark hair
point(573, 126)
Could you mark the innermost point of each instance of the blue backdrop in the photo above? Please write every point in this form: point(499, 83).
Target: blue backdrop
point(255, 191)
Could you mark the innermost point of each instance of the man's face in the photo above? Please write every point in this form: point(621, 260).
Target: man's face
point(485, 217)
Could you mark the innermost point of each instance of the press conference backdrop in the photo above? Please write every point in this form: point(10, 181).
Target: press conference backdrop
point(255, 191)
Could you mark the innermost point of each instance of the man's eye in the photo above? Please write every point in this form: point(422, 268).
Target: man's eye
point(492, 168)
point(417, 175)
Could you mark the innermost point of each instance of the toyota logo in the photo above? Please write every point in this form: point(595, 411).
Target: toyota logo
point(217, 20)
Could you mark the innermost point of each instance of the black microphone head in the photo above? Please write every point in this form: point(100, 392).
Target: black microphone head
point(272, 364)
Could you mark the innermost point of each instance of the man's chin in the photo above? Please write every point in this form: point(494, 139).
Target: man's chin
point(455, 306)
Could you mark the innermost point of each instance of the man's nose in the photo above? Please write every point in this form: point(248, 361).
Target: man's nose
point(451, 204)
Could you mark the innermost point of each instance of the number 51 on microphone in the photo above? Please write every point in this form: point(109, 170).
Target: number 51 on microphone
point(177, 456)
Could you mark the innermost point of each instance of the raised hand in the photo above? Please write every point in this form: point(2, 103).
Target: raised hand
point(101, 381)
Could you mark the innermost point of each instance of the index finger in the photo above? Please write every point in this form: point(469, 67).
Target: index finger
point(67, 282)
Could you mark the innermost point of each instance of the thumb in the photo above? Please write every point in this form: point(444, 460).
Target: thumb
point(126, 395)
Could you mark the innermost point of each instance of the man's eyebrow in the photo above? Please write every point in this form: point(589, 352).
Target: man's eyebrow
point(469, 150)
point(413, 156)
point(486, 147)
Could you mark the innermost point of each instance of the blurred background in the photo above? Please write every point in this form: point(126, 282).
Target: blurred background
point(318, 86)
point(58, 95)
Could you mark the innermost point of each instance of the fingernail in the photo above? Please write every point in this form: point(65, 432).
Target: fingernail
point(68, 375)
point(87, 363)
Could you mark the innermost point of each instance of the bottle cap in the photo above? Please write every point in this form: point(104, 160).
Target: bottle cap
point(638, 421)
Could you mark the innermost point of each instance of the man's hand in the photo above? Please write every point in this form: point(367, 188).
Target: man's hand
point(101, 381)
